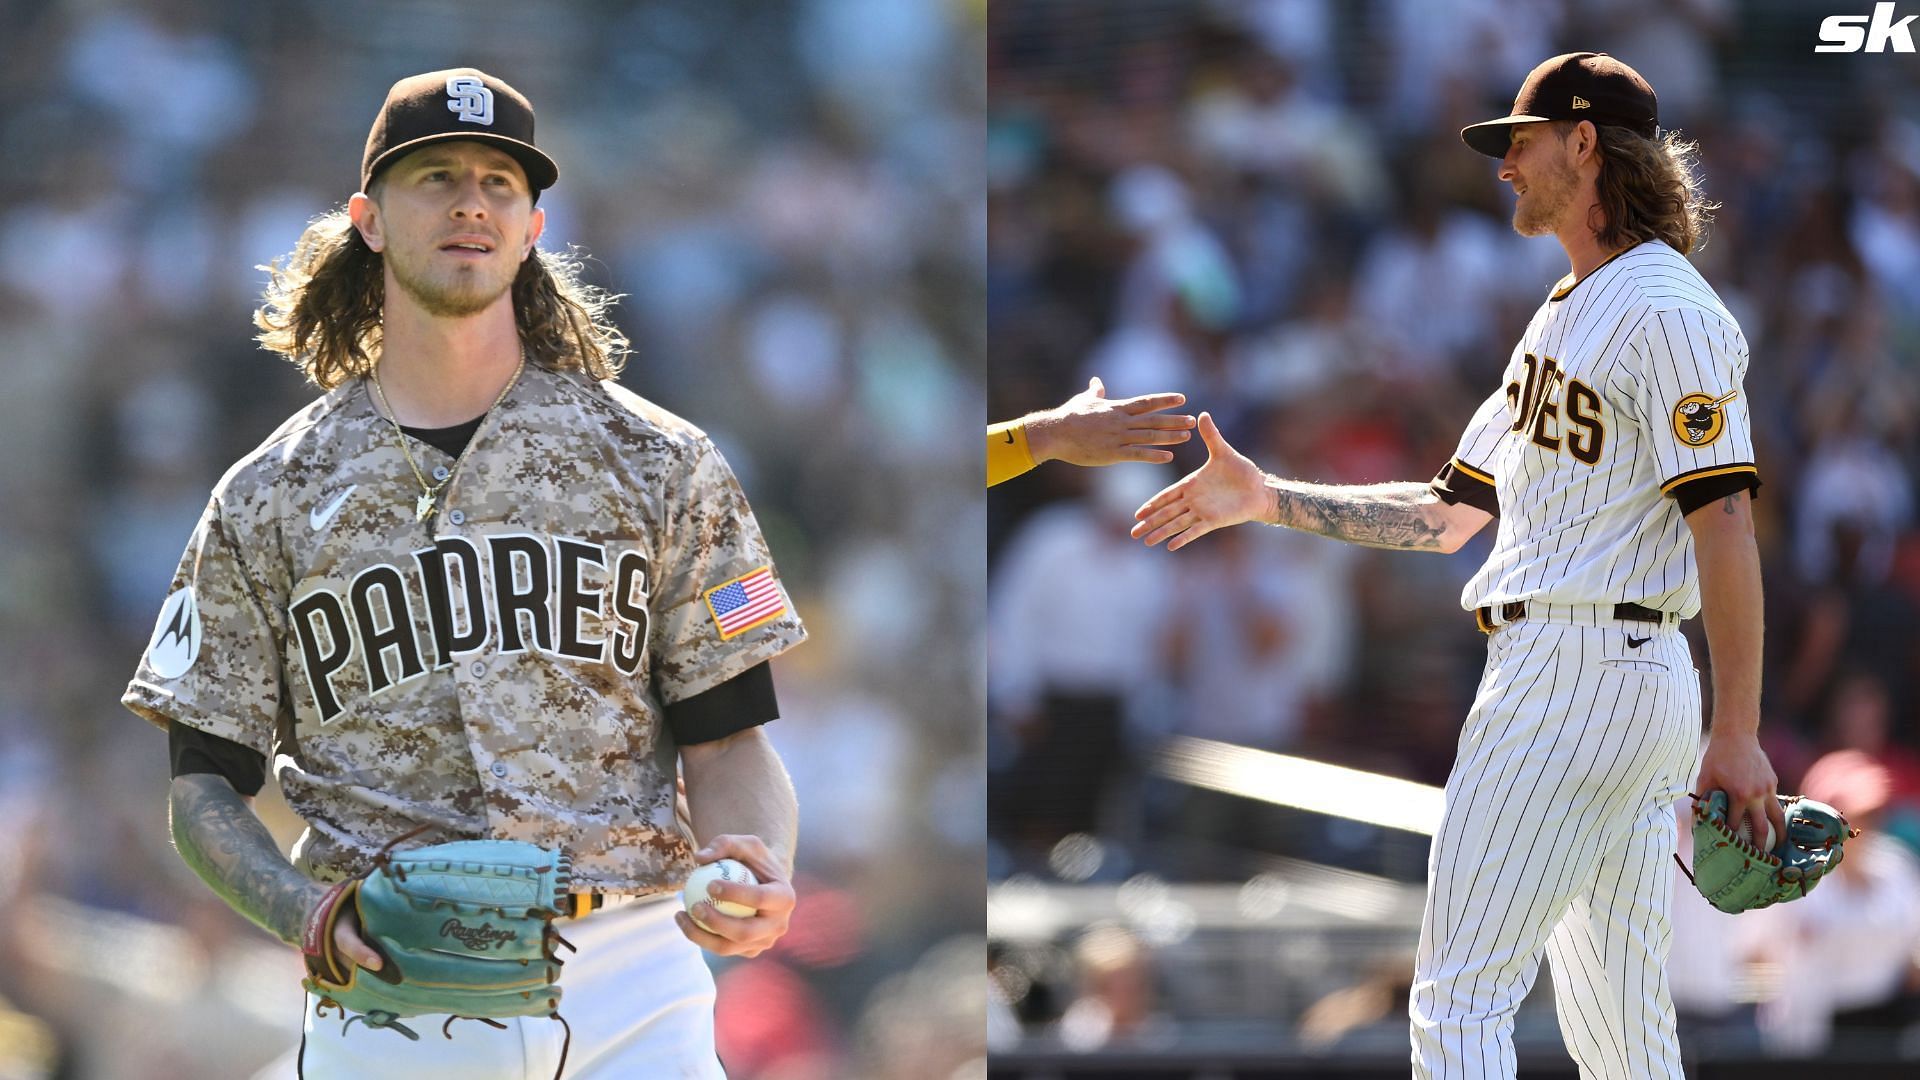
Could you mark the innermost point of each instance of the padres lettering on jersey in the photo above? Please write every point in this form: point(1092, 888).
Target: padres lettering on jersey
point(508, 674)
point(1536, 409)
point(1624, 387)
point(536, 590)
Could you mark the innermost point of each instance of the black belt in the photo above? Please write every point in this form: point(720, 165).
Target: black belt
point(1517, 609)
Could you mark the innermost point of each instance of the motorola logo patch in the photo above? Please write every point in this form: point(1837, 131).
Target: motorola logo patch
point(176, 638)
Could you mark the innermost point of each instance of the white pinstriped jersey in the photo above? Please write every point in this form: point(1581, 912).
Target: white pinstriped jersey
point(1625, 386)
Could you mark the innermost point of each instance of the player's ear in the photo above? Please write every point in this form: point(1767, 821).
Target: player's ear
point(536, 224)
point(1584, 141)
point(365, 215)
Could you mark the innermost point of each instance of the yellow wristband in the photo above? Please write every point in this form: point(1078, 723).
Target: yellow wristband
point(1007, 452)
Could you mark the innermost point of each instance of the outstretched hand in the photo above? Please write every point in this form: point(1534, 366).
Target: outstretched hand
point(1227, 490)
point(1735, 763)
point(1090, 429)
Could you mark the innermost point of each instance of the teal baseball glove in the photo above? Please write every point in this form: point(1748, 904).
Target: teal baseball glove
point(463, 929)
point(1735, 875)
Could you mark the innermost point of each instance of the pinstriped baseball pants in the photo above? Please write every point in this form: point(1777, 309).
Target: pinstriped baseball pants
point(1556, 840)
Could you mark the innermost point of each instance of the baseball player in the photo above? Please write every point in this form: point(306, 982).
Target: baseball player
point(481, 588)
point(1616, 456)
point(1088, 429)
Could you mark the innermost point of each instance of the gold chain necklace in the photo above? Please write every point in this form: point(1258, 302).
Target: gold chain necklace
point(427, 506)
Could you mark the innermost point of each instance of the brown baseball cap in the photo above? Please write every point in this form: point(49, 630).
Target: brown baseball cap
point(459, 103)
point(1573, 86)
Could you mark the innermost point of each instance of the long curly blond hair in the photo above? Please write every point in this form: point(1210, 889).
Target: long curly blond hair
point(1650, 189)
point(323, 307)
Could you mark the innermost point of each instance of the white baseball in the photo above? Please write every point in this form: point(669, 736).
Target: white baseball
point(694, 894)
point(1746, 834)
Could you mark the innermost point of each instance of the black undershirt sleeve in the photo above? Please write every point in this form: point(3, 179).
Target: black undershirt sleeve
point(195, 751)
point(744, 701)
point(1455, 485)
point(1695, 494)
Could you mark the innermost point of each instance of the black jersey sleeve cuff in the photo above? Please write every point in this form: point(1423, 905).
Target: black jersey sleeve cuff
point(194, 751)
point(1695, 490)
point(1460, 483)
point(744, 701)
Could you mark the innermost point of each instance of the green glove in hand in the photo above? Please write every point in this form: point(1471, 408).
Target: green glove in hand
point(1736, 876)
point(463, 928)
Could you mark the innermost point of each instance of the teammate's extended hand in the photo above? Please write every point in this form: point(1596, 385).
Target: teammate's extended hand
point(1088, 429)
point(1735, 764)
point(747, 935)
point(1227, 490)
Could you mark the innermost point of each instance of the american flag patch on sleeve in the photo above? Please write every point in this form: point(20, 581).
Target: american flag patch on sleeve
point(746, 602)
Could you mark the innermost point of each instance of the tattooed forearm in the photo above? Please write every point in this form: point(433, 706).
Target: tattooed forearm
point(1404, 516)
point(227, 845)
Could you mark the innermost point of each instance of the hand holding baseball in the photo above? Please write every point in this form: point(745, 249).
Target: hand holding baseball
point(771, 901)
point(1735, 763)
point(1227, 490)
point(1090, 429)
point(697, 895)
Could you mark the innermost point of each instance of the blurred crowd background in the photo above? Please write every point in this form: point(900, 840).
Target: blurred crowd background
point(1265, 204)
point(788, 193)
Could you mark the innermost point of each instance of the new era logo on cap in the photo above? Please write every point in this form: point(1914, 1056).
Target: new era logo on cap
point(1581, 103)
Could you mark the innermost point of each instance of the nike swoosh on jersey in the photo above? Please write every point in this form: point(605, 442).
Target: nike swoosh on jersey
point(318, 518)
point(1636, 642)
point(1009, 435)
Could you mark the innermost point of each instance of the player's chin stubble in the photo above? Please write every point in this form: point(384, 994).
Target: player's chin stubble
point(462, 292)
point(1538, 212)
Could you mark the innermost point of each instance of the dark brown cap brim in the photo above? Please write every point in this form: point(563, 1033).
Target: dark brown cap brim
point(1494, 136)
point(540, 169)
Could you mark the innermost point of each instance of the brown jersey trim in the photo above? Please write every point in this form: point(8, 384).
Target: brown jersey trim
point(1459, 482)
point(1667, 487)
point(1561, 292)
point(1697, 493)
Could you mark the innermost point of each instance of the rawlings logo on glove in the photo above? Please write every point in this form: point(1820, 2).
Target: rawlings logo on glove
point(478, 938)
point(1736, 876)
point(464, 928)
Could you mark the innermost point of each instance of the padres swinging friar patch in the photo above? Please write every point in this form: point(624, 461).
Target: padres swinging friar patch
point(1697, 419)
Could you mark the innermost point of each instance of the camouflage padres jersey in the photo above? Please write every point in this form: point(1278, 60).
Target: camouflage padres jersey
point(499, 672)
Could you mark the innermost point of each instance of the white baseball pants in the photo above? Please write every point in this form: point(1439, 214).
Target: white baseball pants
point(638, 995)
point(1557, 838)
